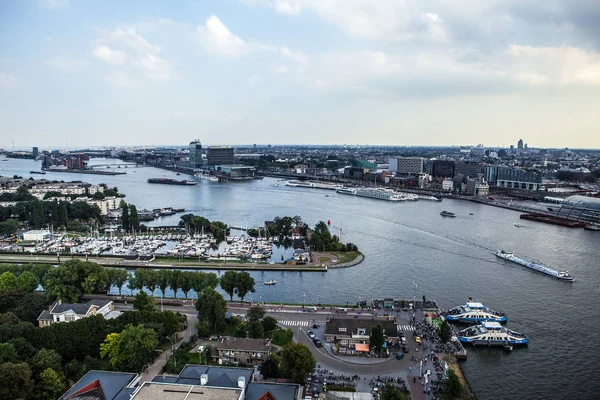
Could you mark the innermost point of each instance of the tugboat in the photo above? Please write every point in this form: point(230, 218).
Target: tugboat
point(447, 214)
point(473, 312)
point(269, 283)
point(491, 334)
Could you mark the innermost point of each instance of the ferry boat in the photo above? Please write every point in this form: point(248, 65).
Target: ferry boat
point(473, 312)
point(300, 184)
point(562, 275)
point(37, 172)
point(432, 198)
point(269, 283)
point(207, 177)
point(346, 190)
point(380, 194)
point(447, 214)
point(491, 333)
point(167, 181)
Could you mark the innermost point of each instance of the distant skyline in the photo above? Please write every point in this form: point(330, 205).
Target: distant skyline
point(388, 72)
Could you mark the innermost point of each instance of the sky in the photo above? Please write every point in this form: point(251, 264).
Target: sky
point(377, 72)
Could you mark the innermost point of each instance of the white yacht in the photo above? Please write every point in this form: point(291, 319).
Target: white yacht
point(491, 334)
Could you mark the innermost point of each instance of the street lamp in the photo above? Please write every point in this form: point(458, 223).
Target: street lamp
point(200, 351)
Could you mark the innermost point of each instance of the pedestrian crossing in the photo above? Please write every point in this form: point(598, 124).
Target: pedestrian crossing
point(406, 327)
point(287, 322)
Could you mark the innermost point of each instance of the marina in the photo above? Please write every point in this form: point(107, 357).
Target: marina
point(562, 275)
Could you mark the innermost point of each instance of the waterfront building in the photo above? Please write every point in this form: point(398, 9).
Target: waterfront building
point(470, 169)
point(35, 152)
point(220, 155)
point(407, 165)
point(512, 178)
point(442, 169)
point(236, 171)
point(105, 205)
point(195, 156)
point(347, 332)
point(580, 208)
point(233, 350)
point(448, 184)
point(66, 312)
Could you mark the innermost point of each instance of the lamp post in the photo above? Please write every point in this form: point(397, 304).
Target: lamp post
point(173, 351)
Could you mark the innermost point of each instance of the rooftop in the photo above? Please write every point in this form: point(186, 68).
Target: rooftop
point(101, 385)
point(170, 391)
point(234, 343)
point(352, 324)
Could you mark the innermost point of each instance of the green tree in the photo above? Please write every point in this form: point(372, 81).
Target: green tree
point(8, 353)
point(24, 349)
point(130, 349)
point(269, 369)
point(162, 279)
point(174, 281)
point(27, 282)
point(8, 282)
point(63, 214)
point(297, 362)
point(269, 323)
point(256, 330)
point(50, 385)
point(377, 339)
point(72, 278)
point(244, 284)
point(186, 282)
point(453, 388)
point(9, 227)
point(445, 331)
point(120, 276)
point(15, 381)
point(211, 308)
point(45, 358)
point(9, 318)
point(202, 280)
point(144, 303)
point(255, 313)
point(228, 283)
point(134, 219)
point(124, 215)
point(391, 393)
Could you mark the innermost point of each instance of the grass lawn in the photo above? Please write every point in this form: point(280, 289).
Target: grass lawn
point(347, 256)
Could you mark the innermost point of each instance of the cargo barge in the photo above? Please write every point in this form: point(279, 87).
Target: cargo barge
point(549, 219)
point(562, 275)
point(167, 181)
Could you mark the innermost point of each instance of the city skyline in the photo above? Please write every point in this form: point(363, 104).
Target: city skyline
point(395, 73)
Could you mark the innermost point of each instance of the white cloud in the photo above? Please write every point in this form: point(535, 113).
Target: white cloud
point(52, 4)
point(156, 68)
point(129, 37)
point(120, 79)
point(296, 56)
point(553, 65)
point(253, 79)
point(217, 38)
point(281, 70)
point(66, 65)
point(115, 57)
point(7, 80)
point(48, 38)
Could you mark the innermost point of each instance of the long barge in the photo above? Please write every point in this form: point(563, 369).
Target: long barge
point(562, 275)
point(167, 181)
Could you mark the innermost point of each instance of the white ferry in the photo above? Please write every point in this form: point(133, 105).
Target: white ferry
point(491, 334)
point(381, 194)
point(207, 177)
point(474, 312)
point(562, 275)
point(346, 190)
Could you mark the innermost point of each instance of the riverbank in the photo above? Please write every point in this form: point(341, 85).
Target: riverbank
point(115, 262)
point(454, 365)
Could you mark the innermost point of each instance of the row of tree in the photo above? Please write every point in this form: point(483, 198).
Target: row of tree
point(175, 279)
point(130, 220)
point(322, 240)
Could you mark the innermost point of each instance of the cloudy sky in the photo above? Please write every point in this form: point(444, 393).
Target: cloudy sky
point(399, 72)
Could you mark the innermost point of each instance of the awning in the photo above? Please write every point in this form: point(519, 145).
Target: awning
point(362, 347)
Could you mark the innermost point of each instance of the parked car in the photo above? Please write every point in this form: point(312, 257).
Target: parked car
point(399, 356)
point(405, 349)
point(315, 326)
point(311, 334)
point(317, 342)
point(403, 340)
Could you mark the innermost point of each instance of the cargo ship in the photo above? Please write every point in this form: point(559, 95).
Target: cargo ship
point(562, 275)
point(167, 181)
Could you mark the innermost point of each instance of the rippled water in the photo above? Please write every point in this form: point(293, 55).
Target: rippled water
point(449, 258)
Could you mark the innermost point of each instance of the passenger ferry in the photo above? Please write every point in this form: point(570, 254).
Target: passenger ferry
point(474, 312)
point(491, 334)
point(562, 275)
point(380, 194)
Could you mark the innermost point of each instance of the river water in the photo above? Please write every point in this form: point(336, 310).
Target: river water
point(448, 258)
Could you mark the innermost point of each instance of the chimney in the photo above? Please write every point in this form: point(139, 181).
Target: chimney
point(204, 379)
point(241, 382)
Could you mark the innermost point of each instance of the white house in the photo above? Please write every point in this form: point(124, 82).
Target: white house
point(37, 235)
point(65, 312)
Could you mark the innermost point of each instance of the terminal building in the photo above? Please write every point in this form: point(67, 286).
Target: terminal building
point(580, 208)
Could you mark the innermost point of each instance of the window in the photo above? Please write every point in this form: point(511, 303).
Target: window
point(342, 329)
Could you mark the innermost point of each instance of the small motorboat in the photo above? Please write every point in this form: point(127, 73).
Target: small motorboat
point(518, 225)
point(269, 283)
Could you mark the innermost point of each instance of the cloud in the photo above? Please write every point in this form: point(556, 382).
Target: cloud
point(253, 79)
point(66, 65)
point(296, 56)
point(281, 70)
point(156, 68)
point(130, 38)
point(115, 57)
point(52, 4)
point(120, 79)
point(48, 38)
point(217, 38)
point(7, 80)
